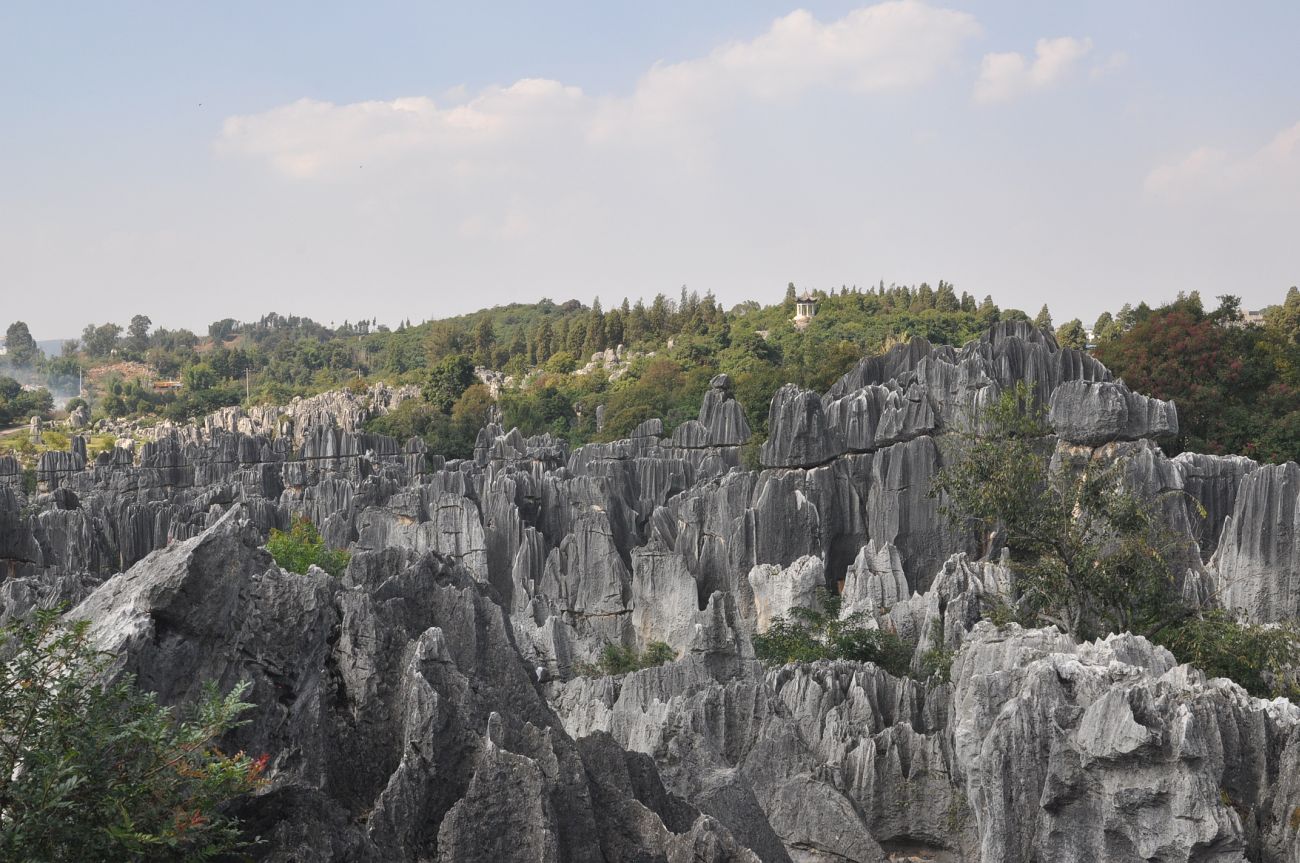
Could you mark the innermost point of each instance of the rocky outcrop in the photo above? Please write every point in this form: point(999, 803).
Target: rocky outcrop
point(1097, 412)
point(775, 590)
point(1212, 482)
point(722, 416)
point(799, 434)
point(1257, 564)
point(397, 713)
point(1109, 751)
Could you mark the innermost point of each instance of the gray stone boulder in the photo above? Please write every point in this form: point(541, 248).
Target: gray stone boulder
point(776, 590)
point(1108, 751)
point(1097, 412)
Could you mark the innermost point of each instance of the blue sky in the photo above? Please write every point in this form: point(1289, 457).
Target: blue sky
point(401, 160)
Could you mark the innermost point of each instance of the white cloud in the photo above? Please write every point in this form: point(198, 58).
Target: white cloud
point(309, 138)
point(1005, 76)
point(890, 46)
point(1270, 173)
point(884, 47)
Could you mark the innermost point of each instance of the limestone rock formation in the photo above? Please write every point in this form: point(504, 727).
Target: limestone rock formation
point(1096, 412)
point(436, 686)
point(1258, 559)
point(799, 434)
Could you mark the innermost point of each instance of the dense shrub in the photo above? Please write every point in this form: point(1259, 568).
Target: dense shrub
point(1091, 556)
point(1260, 657)
point(95, 772)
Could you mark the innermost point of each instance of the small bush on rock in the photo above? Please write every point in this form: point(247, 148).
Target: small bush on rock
point(1259, 657)
point(616, 659)
point(302, 546)
point(806, 635)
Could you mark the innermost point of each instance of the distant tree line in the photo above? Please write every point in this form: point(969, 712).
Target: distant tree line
point(1240, 398)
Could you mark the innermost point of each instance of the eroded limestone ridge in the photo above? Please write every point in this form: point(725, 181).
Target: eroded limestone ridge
point(425, 705)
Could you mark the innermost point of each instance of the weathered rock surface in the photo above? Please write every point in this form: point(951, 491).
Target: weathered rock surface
point(1096, 412)
point(1258, 560)
point(432, 689)
point(799, 434)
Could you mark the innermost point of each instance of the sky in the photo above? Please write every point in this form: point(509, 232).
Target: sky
point(194, 161)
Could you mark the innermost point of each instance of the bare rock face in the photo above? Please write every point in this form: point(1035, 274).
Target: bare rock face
point(1107, 751)
point(1096, 412)
point(1212, 482)
point(1258, 559)
point(798, 432)
point(722, 415)
point(777, 590)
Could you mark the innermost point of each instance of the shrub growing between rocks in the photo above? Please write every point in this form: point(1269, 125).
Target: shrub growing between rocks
point(95, 772)
point(806, 635)
point(302, 546)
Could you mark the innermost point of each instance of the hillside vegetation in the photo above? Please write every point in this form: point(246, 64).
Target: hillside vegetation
point(1236, 385)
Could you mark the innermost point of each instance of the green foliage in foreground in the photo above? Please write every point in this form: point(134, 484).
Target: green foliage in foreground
point(302, 546)
point(90, 772)
point(806, 635)
point(616, 659)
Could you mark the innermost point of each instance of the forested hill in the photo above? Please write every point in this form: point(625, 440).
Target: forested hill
point(1236, 383)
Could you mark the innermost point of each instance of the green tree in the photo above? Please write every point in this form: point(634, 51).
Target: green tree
point(100, 341)
point(1043, 320)
point(1072, 335)
point(614, 328)
point(18, 404)
point(199, 377)
point(447, 380)
point(545, 341)
point(221, 330)
point(138, 333)
point(1089, 555)
point(1262, 658)
point(1229, 381)
point(596, 336)
point(91, 771)
point(1104, 329)
point(808, 634)
point(484, 340)
point(21, 346)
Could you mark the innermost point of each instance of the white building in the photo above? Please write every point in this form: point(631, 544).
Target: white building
point(805, 309)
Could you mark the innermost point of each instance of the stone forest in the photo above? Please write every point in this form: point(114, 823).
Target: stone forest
point(657, 648)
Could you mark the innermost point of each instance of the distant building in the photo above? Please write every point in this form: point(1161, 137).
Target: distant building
point(4, 348)
point(161, 386)
point(1246, 319)
point(805, 309)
